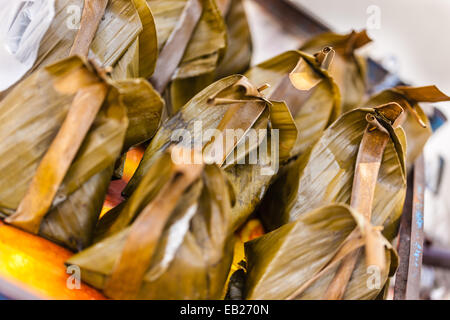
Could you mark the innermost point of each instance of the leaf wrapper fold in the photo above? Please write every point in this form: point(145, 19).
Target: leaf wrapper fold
point(202, 55)
point(314, 108)
point(415, 122)
point(348, 69)
point(239, 42)
point(323, 175)
point(299, 259)
point(230, 103)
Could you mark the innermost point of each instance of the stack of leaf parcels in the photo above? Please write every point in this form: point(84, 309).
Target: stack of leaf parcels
point(288, 141)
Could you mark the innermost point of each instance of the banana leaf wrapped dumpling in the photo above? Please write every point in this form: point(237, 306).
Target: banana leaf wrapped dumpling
point(63, 127)
point(303, 82)
point(230, 105)
point(117, 34)
point(324, 174)
point(300, 259)
point(320, 235)
point(348, 69)
point(107, 30)
point(415, 122)
point(191, 43)
point(179, 245)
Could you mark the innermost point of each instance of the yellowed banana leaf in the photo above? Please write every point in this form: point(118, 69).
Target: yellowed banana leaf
point(230, 103)
point(299, 259)
point(251, 180)
point(206, 46)
point(191, 46)
point(322, 245)
point(120, 27)
point(239, 42)
point(140, 58)
point(63, 127)
point(323, 175)
point(415, 123)
point(187, 254)
point(144, 110)
point(313, 110)
point(198, 109)
point(144, 104)
point(120, 34)
point(348, 69)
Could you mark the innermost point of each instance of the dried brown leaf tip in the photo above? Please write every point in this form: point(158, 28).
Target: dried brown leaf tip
point(304, 76)
point(348, 69)
point(325, 57)
point(414, 121)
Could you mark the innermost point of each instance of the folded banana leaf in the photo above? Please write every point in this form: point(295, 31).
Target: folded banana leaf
point(323, 175)
point(119, 34)
point(230, 104)
point(348, 69)
point(144, 110)
point(63, 127)
point(239, 42)
point(121, 21)
point(323, 240)
point(107, 30)
point(179, 245)
point(299, 259)
point(139, 60)
point(415, 122)
point(304, 84)
point(192, 41)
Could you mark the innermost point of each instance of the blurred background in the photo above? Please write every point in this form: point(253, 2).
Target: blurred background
point(410, 41)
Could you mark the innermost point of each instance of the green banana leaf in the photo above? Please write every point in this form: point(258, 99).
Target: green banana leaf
point(323, 175)
point(283, 261)
point(191, 256)
point(313, 110)
point(139, 60)
point(144, 110)
point(207, 44)
point(125, 41)
point(416, 124)
point(314, 230)
point(348, 69)
point(120, 27)
point(239, 47)
point(243, 109)
point(202, 55)
point(33, 115)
